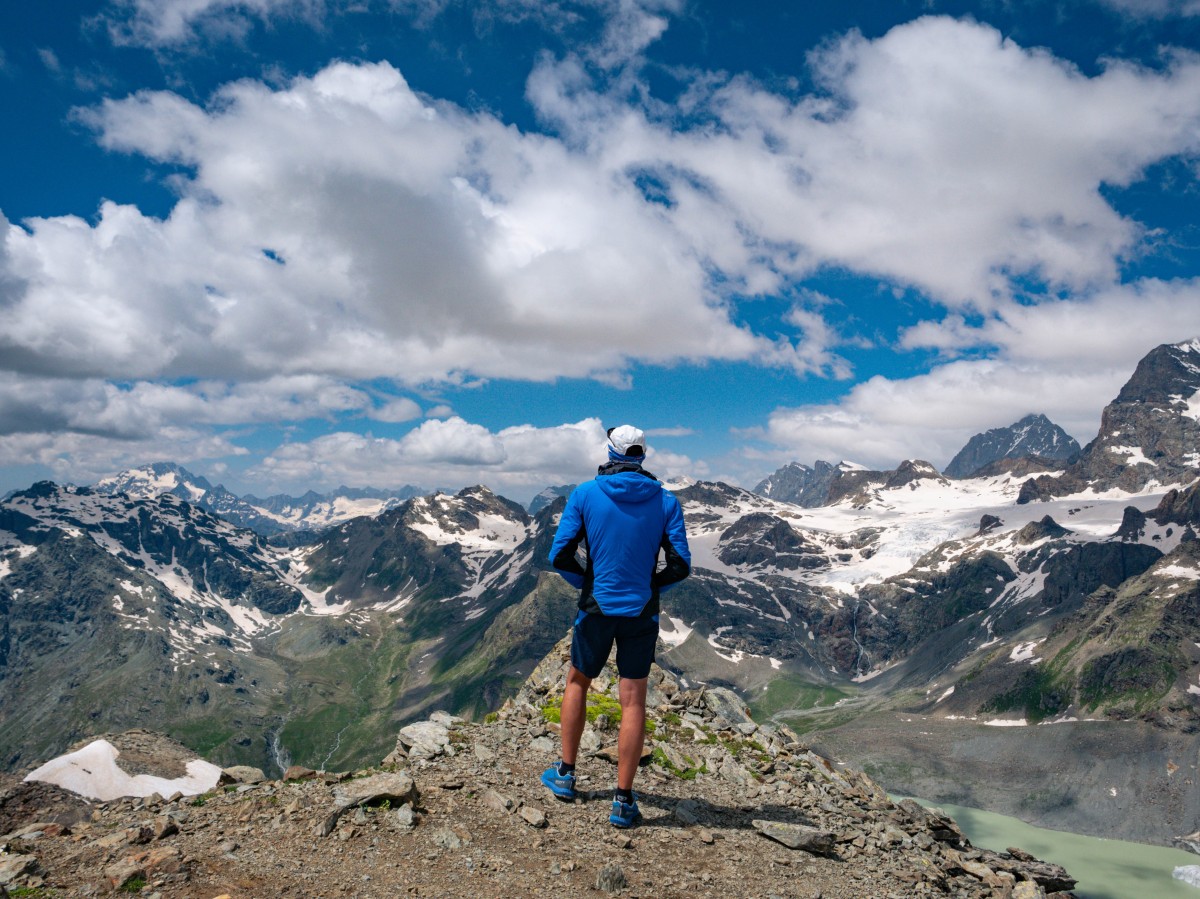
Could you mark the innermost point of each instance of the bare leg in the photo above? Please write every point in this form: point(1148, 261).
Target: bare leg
point(574, 713)
point(633, 729)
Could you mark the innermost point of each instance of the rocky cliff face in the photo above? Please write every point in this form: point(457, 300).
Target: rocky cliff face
point(1148, 435)
point(1033, 436)
point(803, 485)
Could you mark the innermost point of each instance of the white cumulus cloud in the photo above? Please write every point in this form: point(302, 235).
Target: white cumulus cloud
point(342, 229)
point(1066, 360)
point(516, 461)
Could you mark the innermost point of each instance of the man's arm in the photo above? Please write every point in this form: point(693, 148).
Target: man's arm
point(674, 547)
point(567, 538)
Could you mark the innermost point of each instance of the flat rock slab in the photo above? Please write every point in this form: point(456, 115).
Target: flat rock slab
point(13, 866)
point(497, 801)
point(796, 836)
point(687, 812)
point(727, 707)
point(396, 787)
point(243, 774)
point(425, 739)
point(534, 817)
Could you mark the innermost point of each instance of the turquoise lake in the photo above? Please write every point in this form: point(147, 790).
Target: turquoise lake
point(1105, 869)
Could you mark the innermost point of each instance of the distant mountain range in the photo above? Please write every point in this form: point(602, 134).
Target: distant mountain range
point(1032, 445)
point(274, 515)
point(1006, 595)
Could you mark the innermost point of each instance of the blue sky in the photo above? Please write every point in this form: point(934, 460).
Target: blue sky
point(301, 243)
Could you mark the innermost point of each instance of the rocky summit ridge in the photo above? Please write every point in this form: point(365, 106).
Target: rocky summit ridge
point(1148, 434)
point(1034, 436)
point(730, 808)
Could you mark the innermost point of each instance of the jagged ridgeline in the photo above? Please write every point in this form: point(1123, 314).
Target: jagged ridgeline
point(1024, 592)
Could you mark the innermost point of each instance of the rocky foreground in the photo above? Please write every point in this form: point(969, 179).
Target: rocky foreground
point(731, 809)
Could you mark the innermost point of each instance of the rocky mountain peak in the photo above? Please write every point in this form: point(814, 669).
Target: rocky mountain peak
point(801, 484)
point(471, 509)
point(277, 514)
point(1167, 375)
point(730, 807)
point(1046, 528)
point(1148, 435)
point(1033, 436)
point(715, 494)
point(156, 479)
point(824, 484)
point(548, 496)
point(911, 470)
point(761, 539)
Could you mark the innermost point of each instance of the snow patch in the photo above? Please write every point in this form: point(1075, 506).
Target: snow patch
point(1134, 454)
point(1183, 571)
point(93, 772)
point(1007, 722)
point(736, 655)
point(1023, 652)
point(677, 634)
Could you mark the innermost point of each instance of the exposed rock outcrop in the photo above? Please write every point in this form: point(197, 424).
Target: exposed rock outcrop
point(754, 813)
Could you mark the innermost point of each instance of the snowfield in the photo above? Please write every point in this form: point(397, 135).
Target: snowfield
point(93, 772)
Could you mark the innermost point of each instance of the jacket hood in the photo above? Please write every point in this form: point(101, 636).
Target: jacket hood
point(630, 486)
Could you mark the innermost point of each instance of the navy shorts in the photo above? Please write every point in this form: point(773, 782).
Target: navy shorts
point(594, 637)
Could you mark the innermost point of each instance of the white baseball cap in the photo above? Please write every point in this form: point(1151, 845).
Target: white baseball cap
point(627, 440)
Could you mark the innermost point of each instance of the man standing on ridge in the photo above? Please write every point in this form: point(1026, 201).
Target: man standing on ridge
point(622, 518)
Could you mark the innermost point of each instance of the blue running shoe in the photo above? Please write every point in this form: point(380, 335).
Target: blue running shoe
point(561, 785)
point(624, 814)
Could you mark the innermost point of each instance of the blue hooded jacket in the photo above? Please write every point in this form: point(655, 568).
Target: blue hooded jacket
point(622, 518)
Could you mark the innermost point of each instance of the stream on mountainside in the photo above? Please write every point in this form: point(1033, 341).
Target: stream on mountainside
point(1105, 869)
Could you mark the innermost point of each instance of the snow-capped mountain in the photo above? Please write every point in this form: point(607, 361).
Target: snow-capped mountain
point(123, 607)
point(1033, 436)
point(824, 484)
point(547, 497)
point(273, 515)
